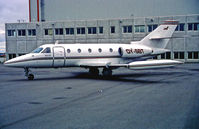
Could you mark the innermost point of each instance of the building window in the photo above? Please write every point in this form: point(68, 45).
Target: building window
point(59, 31)
point(168, 55)
point(152, 27)
point(155, 57)
point(112, 29)
point(92, 30)
point(12, 56)
point(193, 26)
point(31, 32)
point(48, 31)
point(193, 55)
point(11, 33)
point(127, 29)
point(178, 55)
point(22, 32)
point(163, 56)
point(139, 29)
point(81, 30)
point(180, 27)
point(101, 30)
point(69, 31)
point(21, 54)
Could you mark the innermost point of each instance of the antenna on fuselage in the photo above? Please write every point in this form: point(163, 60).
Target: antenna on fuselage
point(57, 42)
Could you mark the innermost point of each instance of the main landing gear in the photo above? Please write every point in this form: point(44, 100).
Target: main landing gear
point(30, 76)
point(106, 72)
point(94, 71)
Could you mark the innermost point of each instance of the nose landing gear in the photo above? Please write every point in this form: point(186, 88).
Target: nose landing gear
point(30, 76)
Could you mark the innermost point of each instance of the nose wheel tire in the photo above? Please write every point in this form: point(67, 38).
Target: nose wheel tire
point(30, 77)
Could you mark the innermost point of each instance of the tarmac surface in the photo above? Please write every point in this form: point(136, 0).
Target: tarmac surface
point(72, 99)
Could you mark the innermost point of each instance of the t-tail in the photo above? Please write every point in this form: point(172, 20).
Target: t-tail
point(157, 41)
point(159, 38)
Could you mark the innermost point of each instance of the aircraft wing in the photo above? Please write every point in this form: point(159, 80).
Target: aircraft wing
point(94, 64)
point(149, 64)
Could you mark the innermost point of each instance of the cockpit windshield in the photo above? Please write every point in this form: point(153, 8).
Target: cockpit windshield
point(47, 50)
point(38, 50)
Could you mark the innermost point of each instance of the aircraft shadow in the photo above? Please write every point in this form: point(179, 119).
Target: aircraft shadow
point(130, 77)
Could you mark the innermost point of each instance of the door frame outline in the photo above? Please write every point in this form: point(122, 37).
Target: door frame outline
point(54, 55)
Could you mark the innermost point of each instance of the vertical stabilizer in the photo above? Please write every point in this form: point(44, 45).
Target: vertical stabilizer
point(161, 35)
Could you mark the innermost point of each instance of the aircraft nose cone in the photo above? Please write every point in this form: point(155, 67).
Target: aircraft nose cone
point(8, 63)
point(11, 62)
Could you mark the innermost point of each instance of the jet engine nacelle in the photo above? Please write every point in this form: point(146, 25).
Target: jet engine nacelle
point(130, 51)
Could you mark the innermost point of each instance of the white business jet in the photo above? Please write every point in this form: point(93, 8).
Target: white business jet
point(133, 56)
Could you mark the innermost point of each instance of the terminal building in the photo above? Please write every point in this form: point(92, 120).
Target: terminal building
point(102, 21)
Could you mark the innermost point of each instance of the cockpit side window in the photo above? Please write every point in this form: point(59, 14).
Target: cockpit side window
point(38, 50)
point(47, 50)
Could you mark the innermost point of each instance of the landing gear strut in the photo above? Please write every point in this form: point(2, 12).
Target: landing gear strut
point(94, 71)
point(28, 75)
point(107, 72)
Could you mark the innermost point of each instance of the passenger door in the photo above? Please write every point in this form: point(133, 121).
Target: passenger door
point(58, 56)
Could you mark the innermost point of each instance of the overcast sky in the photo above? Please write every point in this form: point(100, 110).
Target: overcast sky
point(11, 11)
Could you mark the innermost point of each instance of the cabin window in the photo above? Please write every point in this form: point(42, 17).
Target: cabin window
point(79, 50)
point(111, 50)
point(89, 50)
point(38, 50)
point(47, 50)
point(120, 51)
point(99, 50)
point(68, 51)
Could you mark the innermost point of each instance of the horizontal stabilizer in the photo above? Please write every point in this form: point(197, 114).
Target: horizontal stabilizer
point(158, 38)
point(158, 51)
